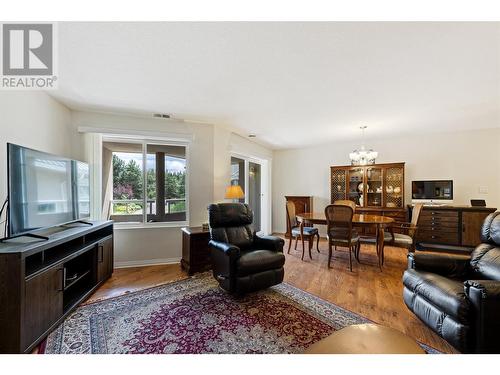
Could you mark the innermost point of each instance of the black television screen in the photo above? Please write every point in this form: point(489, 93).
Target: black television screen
point(45, 190)
point(434, 190)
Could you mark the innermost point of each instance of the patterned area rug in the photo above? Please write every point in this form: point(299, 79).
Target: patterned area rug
point(196, 316)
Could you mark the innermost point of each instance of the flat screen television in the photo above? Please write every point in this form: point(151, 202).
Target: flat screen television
point(44, 190)
point(441, 190)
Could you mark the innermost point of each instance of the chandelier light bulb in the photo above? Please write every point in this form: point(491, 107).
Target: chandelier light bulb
point(363, 156)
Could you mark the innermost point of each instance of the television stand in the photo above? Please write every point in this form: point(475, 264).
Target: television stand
point(77, 222)
point(31, 235)
point(41, 282)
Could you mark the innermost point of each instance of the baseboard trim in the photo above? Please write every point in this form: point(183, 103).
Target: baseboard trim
point(148, 262)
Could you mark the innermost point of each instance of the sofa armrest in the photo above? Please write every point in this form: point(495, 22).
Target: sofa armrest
point(484, 289)
point(484, 296)
point(223, 257)
point(449, 265)
point(269, 243)
point(225, 248)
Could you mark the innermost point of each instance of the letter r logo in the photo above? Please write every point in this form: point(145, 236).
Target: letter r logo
point(27, 49)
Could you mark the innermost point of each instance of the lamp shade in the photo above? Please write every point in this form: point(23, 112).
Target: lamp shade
point(234, 192)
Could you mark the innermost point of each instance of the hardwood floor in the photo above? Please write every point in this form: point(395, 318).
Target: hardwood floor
point(126, 280)
point(375, 294)
point(367, 291)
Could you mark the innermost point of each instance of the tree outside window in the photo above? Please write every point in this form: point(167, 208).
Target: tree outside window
point(161, 189)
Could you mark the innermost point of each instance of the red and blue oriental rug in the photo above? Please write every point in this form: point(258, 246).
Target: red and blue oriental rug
point(196, 316)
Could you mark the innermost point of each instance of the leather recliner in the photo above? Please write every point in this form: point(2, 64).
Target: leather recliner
point(242, 262)
point(458, 296)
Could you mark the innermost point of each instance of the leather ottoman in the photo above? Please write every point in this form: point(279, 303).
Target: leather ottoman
point(366, 339)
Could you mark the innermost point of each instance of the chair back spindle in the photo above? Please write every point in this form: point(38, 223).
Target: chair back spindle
point(345, 202)
point(417, 209)
point(291, 216)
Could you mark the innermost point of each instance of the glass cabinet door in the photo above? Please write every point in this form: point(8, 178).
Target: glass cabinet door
point(355, 186)
point(338, 181)
point(394, 186)
point(373, 187)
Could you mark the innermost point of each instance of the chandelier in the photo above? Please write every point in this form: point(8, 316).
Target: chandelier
point(363, 156)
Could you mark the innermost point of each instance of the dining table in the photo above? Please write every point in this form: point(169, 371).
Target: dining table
point(380, 223)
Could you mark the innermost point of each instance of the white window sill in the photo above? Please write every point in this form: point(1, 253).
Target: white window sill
point(126, 226)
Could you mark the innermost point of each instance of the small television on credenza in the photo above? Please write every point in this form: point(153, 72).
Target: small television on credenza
point(44, 190)
point(432, 191)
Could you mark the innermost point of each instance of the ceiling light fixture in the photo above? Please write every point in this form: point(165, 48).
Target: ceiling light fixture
point(363, 156)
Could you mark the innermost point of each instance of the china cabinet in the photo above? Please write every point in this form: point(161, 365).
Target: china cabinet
point(375, 188)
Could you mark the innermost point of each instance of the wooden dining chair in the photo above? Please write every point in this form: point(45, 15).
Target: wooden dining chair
point(352, 204)
point(346, 202)
point(295, 231)
point(340, 231)
point(405, 237)
point(407, 232)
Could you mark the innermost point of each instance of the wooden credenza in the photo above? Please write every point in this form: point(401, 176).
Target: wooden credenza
point(41, 282)
point(303, 203)
point(456, 226)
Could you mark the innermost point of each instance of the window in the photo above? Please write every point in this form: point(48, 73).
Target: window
point(144, 181)
point(166, 182)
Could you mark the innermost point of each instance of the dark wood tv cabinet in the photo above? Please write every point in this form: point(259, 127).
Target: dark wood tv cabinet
point(42, 281)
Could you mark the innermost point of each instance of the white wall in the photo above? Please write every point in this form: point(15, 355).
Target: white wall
point(33, 119)
point(209, 174)
point(161, 245)
point(225, 143)
point(36, 120)
point(222, 162)
point(471, 159)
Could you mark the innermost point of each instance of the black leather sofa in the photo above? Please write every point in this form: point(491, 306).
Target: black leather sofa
point(458, 296)
point(242, 262)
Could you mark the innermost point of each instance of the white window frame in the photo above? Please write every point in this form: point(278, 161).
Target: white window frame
point(144, 142)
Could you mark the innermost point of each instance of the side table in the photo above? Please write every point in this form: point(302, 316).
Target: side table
point(195, 251)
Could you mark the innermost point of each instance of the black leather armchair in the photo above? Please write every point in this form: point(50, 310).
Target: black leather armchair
point(458, 296)
point(242, 261)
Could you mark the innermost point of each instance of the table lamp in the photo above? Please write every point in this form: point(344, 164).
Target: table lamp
point(234, 192)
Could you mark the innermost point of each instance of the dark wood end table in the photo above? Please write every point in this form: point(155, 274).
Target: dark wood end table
point(195, 251)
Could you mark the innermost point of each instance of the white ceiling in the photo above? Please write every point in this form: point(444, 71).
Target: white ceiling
point(292, 84)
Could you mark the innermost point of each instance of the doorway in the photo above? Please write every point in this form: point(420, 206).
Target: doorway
point(253, 177)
